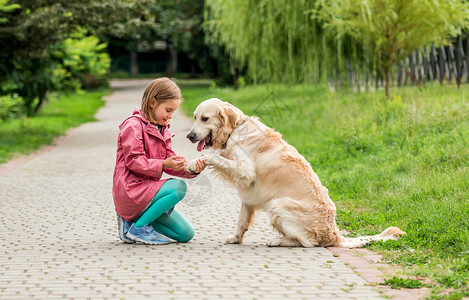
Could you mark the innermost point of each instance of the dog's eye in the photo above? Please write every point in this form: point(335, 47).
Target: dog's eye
point(204, 119)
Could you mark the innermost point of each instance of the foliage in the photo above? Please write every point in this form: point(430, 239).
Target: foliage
point(392, 30)
point(179, 23)
point(142, 22)
point(10, 106)
point(25, 135)
point(306, 41)
point(26, 65)
point(69, 65)
point(31, 80)
point(190, 38)
point(454, 295)
point(275, 40)
point(454, 279)
point(399, 162)
point(81, 63)
point(127, 22)
point(7, 8)
point(32, 29)
point(280, 42)
point(398, 283)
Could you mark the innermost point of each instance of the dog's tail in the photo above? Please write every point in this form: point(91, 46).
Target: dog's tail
point(391, 233)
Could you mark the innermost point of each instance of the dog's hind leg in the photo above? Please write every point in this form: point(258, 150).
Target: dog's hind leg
point(284, 218)
point(246, 217)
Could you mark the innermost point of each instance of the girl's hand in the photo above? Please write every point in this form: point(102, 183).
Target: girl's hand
point(177, 163)
point(201, 165)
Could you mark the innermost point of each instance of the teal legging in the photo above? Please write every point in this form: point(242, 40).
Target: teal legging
point(174, 225)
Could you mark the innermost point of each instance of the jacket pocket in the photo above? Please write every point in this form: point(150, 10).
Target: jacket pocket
point(134, 178)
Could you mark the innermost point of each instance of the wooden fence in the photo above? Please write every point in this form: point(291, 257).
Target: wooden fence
point(445, 64)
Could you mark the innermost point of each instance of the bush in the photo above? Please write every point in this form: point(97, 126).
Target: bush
point(10, 106)
point(81, 63)
point(75, 63)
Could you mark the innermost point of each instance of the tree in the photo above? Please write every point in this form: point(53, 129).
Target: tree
point(24, 61)
point(182, 27)
point(274, 39)
point(145, 21)
point(132, 24)
point(278, 41)
point(393, 29)
point(179, 24)
point(26, 65)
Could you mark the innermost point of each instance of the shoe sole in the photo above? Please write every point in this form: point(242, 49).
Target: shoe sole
point(121, 232)
point(137, 239)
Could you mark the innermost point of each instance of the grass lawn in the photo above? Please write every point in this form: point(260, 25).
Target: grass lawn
point(400, 162)
point(22, 136)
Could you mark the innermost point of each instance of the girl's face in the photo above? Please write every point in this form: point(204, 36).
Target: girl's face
point(163, 112)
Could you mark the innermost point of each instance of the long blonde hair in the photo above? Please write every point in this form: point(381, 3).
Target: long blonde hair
point(161, 89)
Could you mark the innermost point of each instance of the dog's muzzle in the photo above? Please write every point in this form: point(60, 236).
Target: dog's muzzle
point(191, 136)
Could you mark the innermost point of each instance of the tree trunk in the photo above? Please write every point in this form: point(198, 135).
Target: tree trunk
point(172, 66)
point(388, 78)
point(38, 105)
point(459, 61)
point(133, 63)
point(193, 70)
point(236, 76)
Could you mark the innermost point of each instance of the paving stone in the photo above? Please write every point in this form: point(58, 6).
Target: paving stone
point(59, 234)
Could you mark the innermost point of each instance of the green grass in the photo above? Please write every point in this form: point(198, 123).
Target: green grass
point(400, 162)
point(22, 136)
point(398, 283)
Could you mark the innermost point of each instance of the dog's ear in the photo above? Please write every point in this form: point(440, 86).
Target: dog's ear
point(228, 118)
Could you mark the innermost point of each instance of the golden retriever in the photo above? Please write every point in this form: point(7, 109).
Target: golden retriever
point(271, 175)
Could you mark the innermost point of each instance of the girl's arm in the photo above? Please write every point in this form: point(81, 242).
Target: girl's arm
point(131, 139)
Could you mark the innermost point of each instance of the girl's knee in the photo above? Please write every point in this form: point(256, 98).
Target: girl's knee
point(179, 187)
point(187, 235)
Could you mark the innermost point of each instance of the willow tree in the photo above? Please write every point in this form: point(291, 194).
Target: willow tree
point(393, 29)
point(278, 41)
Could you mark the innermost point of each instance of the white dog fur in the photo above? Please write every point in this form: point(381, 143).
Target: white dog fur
point(271, 175)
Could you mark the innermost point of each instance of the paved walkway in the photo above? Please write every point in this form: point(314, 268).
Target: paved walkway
point(59, 232)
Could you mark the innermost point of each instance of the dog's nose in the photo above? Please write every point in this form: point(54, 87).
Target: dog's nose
point(191, 137)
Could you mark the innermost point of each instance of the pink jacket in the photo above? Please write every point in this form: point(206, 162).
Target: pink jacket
point(141, 150)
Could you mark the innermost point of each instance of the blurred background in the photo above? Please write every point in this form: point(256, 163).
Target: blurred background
point(70, 45)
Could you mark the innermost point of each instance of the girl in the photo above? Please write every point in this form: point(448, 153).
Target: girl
point(144, 202)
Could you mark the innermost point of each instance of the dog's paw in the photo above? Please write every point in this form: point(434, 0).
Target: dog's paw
point(192, 166)
point(233, 240)
point(212, 159)
point(283, 242)
point(275, 243)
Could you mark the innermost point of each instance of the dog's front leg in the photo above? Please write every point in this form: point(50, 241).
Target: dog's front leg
point(240, 170)
point(246, 216)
